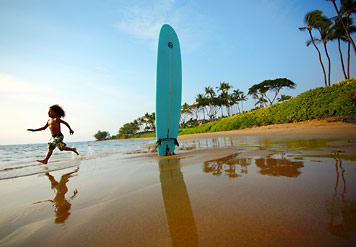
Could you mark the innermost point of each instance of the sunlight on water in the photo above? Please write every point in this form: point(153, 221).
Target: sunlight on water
point(20, 160)
point(91, 153)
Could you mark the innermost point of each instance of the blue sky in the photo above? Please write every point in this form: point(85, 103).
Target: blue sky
point(97, 58)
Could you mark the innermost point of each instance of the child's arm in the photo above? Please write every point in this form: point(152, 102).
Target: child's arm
point(39, 129)
point(70, 129)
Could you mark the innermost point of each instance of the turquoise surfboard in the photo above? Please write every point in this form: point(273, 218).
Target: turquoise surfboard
point(168, 90)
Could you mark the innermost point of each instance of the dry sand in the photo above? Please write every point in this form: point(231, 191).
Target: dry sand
point(310, 128)
point(280, 185)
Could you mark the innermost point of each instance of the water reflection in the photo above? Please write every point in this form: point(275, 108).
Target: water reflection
point(279, 167)
point(61, 204)
point(180, 219)
point(342, 211)
point(227, 166)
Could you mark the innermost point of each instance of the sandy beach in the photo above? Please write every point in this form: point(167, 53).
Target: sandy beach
point(310, 128)
point(281, 185)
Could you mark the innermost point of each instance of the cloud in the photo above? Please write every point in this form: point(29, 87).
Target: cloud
point(145, 21)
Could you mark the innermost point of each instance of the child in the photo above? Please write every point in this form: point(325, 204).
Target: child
point(55, 113)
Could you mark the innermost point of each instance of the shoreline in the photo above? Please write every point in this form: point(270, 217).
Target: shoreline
point(316, 127)
point(311, 127)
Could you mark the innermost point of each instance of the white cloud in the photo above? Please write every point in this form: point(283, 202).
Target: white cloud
point(143, 20)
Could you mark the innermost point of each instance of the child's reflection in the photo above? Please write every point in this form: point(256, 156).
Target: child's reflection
point(61, 204)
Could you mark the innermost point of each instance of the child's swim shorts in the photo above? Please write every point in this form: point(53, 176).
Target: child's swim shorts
point(57, 142)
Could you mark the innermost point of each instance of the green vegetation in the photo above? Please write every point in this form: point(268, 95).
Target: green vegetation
point(271, 85)
point(102, 135)
point(336, 100)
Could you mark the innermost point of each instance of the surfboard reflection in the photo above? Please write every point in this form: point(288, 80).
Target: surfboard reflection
point(61, 204)
point(177, 204)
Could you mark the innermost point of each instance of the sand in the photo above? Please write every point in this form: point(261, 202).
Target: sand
point(281, 185)
point(310, 128)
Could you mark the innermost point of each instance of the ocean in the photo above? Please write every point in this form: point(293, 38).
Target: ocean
point(20, 160)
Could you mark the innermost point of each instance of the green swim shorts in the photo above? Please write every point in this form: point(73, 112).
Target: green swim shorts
point(57, 142)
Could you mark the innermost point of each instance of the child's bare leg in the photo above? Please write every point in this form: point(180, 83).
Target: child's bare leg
point(45, 161)
point(71, 149)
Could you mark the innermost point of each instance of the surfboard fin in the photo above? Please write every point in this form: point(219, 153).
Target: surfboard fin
point(159, 141)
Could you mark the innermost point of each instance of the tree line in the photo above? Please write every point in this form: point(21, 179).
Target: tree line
point(207, 106)
point(144, 124)
point(338, 28)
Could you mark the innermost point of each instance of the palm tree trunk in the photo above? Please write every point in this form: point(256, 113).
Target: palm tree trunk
point(348, 60)
point(327, 55)
point(346, 29)
point(342, 59)
point(321, 61)
point(349, 47)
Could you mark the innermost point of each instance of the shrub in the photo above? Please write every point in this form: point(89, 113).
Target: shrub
point(336, 100)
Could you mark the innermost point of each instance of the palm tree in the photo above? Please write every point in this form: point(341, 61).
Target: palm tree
point(195, 110)
point(224, 96)
point(348, 7)
point(201, 103)
point(237, 95)
point(339, 33)
point(260, 101)
point(310, 20)
point(243, 98)
point(149, 120)
point(186, 110)
point(212, 101)
point(323, 25)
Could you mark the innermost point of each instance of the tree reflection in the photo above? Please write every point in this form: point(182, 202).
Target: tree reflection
point(227, 166)
point(342, 212)
point(61, 204)
point(279, 167)
point(269, 166)
point(177, 205)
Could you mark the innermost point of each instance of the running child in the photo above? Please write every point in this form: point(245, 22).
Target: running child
point(55, 113)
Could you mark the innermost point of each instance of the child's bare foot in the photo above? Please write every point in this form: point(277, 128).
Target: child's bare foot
point(75, 151)
point(42, 161)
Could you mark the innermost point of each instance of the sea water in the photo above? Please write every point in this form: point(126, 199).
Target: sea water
point(20, 160)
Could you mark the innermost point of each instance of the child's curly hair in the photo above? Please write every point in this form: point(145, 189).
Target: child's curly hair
point(58, 110)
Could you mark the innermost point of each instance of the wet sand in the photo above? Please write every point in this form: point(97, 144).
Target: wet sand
point(226, 189)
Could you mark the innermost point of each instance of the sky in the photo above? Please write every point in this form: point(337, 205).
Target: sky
point(97, 58)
